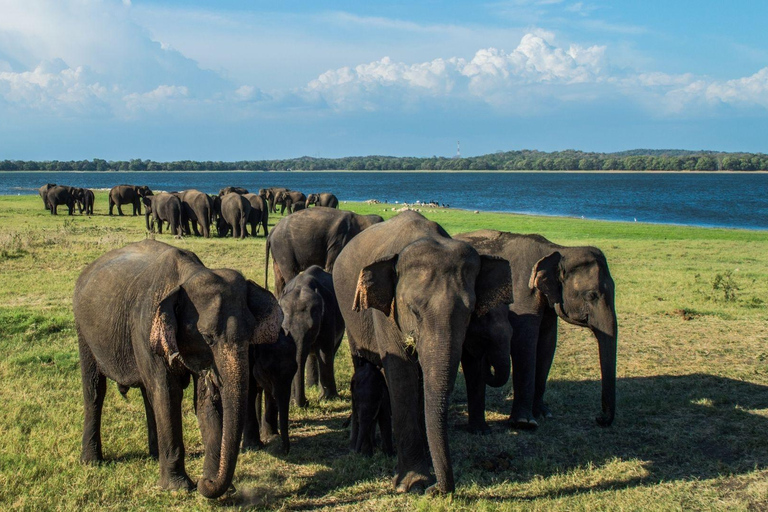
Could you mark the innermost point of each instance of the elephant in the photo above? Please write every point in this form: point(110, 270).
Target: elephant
point(313, 318)
point(311, 237)
point(273, 367)
point(407, 291)
point(370, 405)
point(236, 190)
point(270, 194)
point(197, 207)
point(287, 198)
point(485, 361)
point(85, 200)
point(235, 210)
point(259, 213)
point(323, 199)
point(552, 281)
point(163, 207)
point(61, 195)
point(127, 194)
point(150, 315)
point(44, 194)
point(301, 205)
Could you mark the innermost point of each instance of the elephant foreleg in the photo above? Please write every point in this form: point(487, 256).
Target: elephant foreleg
point(523, 349)
point(312, 370)
point(94, 390)
point(151, 426)
point(545, 354)
point(473, 376)
point(251, 438)
point(385, 424)
point(327, 380)
point(269, 420)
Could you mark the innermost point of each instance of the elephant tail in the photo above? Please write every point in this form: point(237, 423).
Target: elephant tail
point(266, 267)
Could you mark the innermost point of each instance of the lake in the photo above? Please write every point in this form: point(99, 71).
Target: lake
point(731, 200)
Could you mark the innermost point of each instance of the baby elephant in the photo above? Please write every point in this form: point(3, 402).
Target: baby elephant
point(370, 405)
point(313, 318)
point(273, 367)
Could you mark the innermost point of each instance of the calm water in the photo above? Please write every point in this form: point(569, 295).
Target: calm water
point(718, 200)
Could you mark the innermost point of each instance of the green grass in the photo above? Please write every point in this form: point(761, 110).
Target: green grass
point(691, 429)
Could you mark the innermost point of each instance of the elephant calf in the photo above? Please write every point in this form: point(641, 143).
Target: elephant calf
point(163, 208)
point(273, 367)
point(150, 316)
point(313, 318)
point(370, 405)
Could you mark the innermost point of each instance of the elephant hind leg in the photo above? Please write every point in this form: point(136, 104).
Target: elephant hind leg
point(151, 425)
point(94, 390)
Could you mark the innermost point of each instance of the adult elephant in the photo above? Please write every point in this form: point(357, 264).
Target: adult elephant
point(197, 208)
point(61, 195)
point(163, 207)
point(407, 291)
point(149, 315)
point(270, 194)
point(127, 194)
point(259, 213)
point(287, 198)
point(43, 191)
point(552, 281)
point(323, 199)
point(235, 210)
point(311, 237)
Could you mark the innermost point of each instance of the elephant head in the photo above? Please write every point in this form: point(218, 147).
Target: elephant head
point(312, 199)
point(428, 291)
point(207, 324)
point(274, 367)
point(577, 283)
point(143, 191)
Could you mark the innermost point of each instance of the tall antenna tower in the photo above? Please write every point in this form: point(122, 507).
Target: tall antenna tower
point(458, 149)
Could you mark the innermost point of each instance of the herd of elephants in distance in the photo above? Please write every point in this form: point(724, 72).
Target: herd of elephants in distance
point(415, 303)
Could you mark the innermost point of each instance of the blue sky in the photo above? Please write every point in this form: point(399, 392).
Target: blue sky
point(236, 79)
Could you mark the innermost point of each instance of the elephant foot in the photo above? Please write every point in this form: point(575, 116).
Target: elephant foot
point(523, 419)
point(413, 481)
point(479, 428)
point(91, 458)
point(541, 410)
point(176, 482)
point(328, 395)
point(250, 445)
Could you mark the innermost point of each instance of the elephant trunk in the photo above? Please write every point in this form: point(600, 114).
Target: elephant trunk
point(606, 332)
point(234, 377)
point(439, 368)
point(502, 366)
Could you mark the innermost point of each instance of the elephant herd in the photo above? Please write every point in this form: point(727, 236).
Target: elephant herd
point(233, 210)
point(415, 303)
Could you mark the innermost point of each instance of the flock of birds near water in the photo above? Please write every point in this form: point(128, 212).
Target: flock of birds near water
point(304, 337)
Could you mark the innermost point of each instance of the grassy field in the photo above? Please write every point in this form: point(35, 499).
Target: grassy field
point(691, 428)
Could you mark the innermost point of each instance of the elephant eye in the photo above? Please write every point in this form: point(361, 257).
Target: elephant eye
point(591, 295)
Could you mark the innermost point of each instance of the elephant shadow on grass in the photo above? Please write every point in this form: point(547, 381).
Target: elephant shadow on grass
point(685, 427)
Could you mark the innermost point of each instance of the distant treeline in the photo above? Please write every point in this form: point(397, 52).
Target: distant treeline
point(524, 160)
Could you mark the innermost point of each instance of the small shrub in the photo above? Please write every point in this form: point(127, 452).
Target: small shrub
point(724, 287)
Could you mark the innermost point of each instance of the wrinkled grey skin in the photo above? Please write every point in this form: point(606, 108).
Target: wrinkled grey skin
point(259, 213)
point(273, 367)
point(163, 317)
point(370, 406)
point(85, 200)
point(163, 208)
point(61, 195)
point(236, 190)
point(197, 208)
point(44, 194)
point(552, 281)
point(313, 319)
point(407, 291)
point(288, 198)
point(324, 199)
point(314, 236)
point(485, 361)
point(127, 194)
point(234, 213)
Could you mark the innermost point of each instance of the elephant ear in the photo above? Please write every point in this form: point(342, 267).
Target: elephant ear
point(269, 316)
point(493, 285)
point(147, 201)
point(545, 277)
point(376, 286)
point(162, 335)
